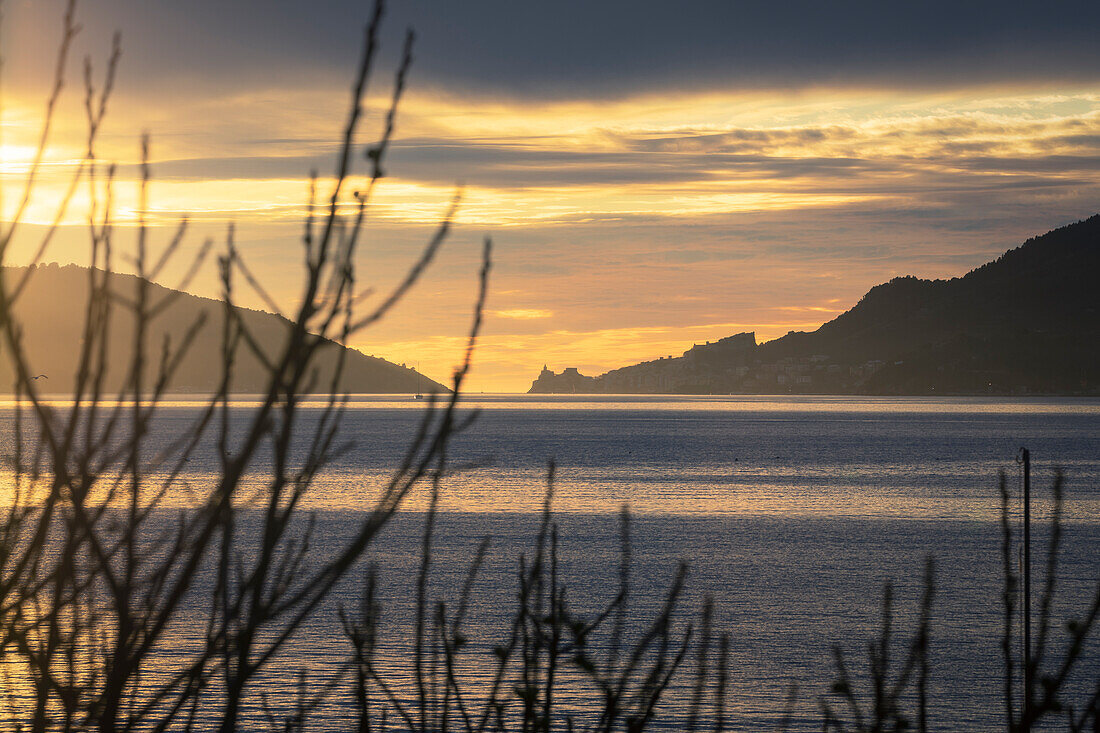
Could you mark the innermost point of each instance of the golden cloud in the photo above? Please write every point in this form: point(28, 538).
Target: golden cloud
point(523, 314)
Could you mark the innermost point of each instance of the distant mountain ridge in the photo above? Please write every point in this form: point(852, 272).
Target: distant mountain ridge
point(1026, 322)
point(51, 314)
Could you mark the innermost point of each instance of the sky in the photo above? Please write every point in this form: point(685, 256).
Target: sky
point(652, 174)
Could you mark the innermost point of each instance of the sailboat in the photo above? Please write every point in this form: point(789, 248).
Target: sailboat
point(419, 395)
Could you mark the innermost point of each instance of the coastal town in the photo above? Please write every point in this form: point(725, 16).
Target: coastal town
point(729, 365)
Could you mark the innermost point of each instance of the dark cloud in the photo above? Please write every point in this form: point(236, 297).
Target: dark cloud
point(518, 167)
point(582, 48)
point(502, 166)
point(1088, 164)
point(739, 140)
point(237, 167)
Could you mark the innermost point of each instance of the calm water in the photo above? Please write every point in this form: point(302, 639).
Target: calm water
point(792, 513)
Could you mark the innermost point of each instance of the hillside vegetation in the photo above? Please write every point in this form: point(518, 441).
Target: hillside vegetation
point(51, 314)
point(1028, 322)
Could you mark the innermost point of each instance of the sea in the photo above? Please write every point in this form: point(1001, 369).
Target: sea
point(792, 515)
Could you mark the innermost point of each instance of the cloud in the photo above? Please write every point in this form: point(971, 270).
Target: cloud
point(887, 149)
point(523, 314)
point(643, 168)
point(576, 48)
point(809, 309)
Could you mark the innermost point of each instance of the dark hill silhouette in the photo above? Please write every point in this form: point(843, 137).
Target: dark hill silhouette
point(1027, 322)
point(51, 314)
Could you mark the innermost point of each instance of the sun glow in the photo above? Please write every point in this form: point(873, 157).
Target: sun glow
point(616, 213)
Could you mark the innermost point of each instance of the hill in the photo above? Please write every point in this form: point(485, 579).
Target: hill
point(51, 314)
point(1028, 322)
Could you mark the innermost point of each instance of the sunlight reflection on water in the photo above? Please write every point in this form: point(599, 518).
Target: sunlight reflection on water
point(815, 456)
point(791, 511)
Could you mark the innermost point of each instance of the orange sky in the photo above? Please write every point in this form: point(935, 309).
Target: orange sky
point(628, 225)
